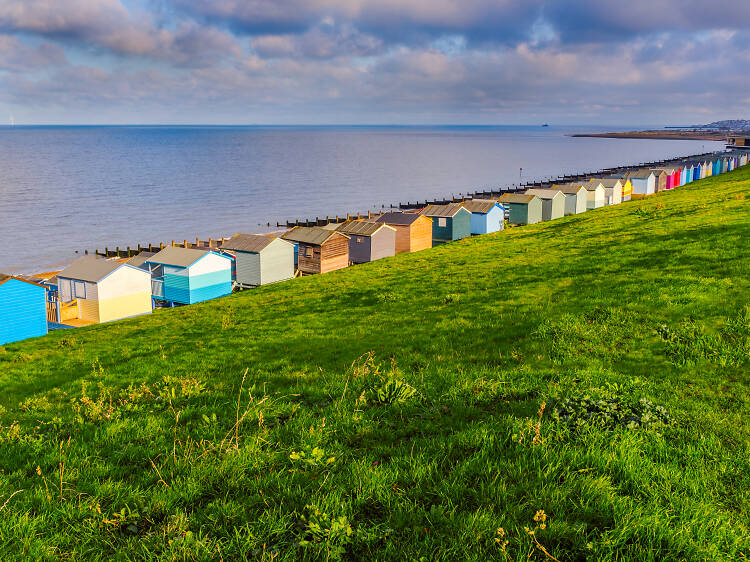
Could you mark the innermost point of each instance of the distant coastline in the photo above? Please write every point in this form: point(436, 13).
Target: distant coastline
point(659, 135)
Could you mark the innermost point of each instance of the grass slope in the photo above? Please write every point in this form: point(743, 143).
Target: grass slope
point(427, 406)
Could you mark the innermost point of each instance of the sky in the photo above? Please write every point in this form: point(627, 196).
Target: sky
point(609, 62)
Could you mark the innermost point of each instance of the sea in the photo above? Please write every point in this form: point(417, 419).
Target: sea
point(67, 189)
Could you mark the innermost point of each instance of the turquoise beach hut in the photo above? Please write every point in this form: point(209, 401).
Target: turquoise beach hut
point(449, 222)
point(23, 309)
point(487, 215)
point(187, 276)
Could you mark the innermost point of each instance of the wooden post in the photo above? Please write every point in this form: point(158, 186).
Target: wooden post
point(87, 252)
point(128, 251)
point(161, 245)
point(106, 252)
point(185, 244)
point(210, 242)
point(173, 244)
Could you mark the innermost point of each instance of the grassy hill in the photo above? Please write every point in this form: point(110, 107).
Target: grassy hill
point(574, 390)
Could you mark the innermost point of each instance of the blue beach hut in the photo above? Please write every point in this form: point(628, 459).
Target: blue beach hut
point(487, 215)
point(23, 309)
point(187, 276)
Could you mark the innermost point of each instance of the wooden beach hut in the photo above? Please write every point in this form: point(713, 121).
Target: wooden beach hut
point(260, 260)
point(660, 176)
point(643, 182)
point(93, 290)
point(576, 197)
point(319, 250)
point(449, 222)
point(487, 215)
point(369, 240)
point(553, 203)
point(523, 208)
point(613, 190)
point(188, 276)
point(23, 309)
point(413, 231)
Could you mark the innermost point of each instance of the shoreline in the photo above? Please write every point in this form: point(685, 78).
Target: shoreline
point(657, 135)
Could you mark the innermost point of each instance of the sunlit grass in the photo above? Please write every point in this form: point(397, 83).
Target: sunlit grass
point(428, 406)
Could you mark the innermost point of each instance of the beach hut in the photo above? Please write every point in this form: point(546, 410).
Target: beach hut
point(660, 176)
point(553, 203)
point(576, 197)
point(643, 182)
point(523, 208)
point(23, 309)
point(319, 250)
point(595, 194)
point(369, 240)
point(93, 290)
point(413, 231)
point(487, 215)
point(724, 164)
point(188, 276)
point(708, 168)
point(449, 222)
point(260, 260)
point(684, 174)
point(612, 190)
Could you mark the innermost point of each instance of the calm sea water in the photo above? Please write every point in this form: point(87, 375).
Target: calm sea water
point(66, 189)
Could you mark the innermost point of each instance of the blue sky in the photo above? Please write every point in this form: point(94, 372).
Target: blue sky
point(374, 61)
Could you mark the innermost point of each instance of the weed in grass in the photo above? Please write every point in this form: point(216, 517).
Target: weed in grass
point(36, 403)
point(325, 534)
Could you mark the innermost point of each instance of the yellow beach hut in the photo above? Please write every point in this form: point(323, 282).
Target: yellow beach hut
point(95, 290)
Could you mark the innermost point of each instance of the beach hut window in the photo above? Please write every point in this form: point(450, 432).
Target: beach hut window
point(359, 239)
point(442, 221)
point(308, 252)
point(80, 289)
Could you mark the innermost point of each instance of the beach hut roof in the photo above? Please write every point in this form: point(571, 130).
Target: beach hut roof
point(401, 219)
point(517, 198)
point(480, 206)
point(545, 193)
point(252, 243)
point(449, 210)
point(140, 259)
point(362, 228)
point(640, 174)
point(315, 235)
point(179, 257)
point(5, 277)
point(608, 182)
point(569, 189)
point(90, 268)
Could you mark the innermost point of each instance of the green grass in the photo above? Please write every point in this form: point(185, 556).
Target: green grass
point(594, 367)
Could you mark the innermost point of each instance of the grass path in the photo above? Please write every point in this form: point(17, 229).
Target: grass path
point(427, 406)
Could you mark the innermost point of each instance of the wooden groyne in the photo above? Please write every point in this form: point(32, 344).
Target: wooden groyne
point(484, 193)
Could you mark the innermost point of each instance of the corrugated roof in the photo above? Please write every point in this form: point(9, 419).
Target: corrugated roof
point(89, 268)
point(309, 235)
point(568, 189)
point(448, 210)
point(247, 243)
point(361, 228)
point(480, 206)
point(399, 219)
point(544, 193)
point(517, 198)
point(640, 174)
point(332, 225)
point(177, 256)
point(140, 259)
point(609, 182)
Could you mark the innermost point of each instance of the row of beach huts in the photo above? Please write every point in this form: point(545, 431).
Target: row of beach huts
point(94, 290)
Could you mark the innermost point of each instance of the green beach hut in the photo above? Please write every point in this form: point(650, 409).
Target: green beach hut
point(449, 222)
point(523, 208)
